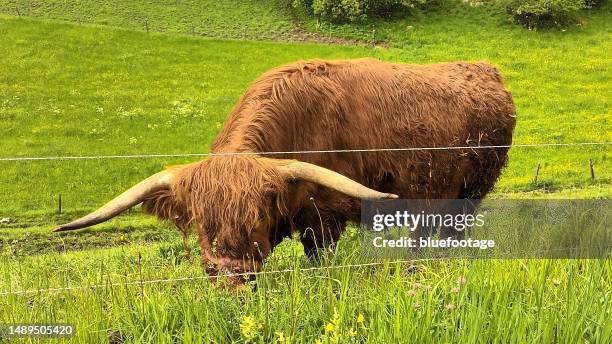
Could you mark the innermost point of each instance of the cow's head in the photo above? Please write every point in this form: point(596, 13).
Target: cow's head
point(234, 201)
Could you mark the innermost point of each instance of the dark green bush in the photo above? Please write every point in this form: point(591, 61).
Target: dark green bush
point(544, 13)
point(354, 10)
point(594, 3)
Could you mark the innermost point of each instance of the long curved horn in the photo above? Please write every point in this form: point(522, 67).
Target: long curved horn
point(320, 175)
point(134, 195)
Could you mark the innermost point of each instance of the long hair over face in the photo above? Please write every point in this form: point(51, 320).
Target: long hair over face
point(229, 197)
point(166, 206)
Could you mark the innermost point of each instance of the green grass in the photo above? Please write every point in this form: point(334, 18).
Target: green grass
point(75, 90)
point(69, 89)
point(426, 301)
point(502, 301)
point(250, 19)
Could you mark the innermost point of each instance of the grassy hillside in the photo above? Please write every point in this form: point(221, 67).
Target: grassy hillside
point(250, 19)
point(80, 90)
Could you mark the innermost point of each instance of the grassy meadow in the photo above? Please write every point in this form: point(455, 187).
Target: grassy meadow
point(246, 19)
point(85, 78)
point(502, 301)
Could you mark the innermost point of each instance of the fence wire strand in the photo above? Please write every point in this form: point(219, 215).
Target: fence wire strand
point(365, 150)
point(271, 272)
point(249, 274)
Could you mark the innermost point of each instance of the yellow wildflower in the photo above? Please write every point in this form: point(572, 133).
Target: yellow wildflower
point(249, 328)
point(280, 337)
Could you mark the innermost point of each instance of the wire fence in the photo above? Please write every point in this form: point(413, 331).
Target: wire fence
point(365, 150)
point(272, 272)
point(142, 283)
point(298, 152)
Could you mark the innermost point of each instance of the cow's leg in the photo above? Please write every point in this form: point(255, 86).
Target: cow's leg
point(465, 207)
point(320, 233)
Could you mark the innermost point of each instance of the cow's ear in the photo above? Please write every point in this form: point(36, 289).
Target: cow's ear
point(299, 170)
point(165, 205)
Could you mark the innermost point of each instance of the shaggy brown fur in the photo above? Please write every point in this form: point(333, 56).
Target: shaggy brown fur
point(331, 105)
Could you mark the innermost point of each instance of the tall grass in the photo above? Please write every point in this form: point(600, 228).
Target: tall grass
point(427, 301)
point(158, 293)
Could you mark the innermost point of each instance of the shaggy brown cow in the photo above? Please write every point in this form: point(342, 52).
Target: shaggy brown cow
point(243, 205)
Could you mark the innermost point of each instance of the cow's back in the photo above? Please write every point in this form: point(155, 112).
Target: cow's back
point(368, 104)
